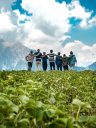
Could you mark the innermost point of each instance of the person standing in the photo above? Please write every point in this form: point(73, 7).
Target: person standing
point(59, 61)
point(72, 60)
point(51, 60)
point(44, 61)
point(38, 56)
point(29, 58)
point(65, 62)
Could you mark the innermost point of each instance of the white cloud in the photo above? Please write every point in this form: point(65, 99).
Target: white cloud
point(92, 21)
point(5, 22)
point(21, 17)
point(85, 54)
point(51, 18)
point(6, 4)
point(48, 16)
point(77, 11)
point(88, 24)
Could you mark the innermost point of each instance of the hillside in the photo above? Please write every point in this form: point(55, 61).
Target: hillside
point(50, 99)
point(92, 66)
point(12, 57)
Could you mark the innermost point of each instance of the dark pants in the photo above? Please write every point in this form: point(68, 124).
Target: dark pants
point(59, 67)
point(52, 66)
point(29, 66)
point(65, 67)
point(44, 65)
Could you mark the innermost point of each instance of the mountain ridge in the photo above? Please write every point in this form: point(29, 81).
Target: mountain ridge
point(11, 55)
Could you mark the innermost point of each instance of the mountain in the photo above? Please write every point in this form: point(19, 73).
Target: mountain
point(89, 67)
point(92, 66)
point(80, 68)
point(21, 65)
point(12, 57)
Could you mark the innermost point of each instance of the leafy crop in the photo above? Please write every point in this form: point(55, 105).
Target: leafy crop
point(52, 99)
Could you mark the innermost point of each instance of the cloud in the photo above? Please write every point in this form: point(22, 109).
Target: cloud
point(52, 18)
point(85, 54)
point(8, 21)
point(46, 27)
point(6, 4)
point(5, 22)
point(89, 23)
point(21, 17)
point(48, 16)
point(77, 11)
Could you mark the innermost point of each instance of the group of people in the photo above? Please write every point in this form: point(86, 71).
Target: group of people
point(55, 60)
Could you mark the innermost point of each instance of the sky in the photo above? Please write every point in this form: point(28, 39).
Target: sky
point(61, 25)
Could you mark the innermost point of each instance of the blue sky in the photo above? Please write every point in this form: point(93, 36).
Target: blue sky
point(17, 5)
point(62, 25)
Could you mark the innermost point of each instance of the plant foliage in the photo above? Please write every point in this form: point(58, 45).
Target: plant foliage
point(52, 99)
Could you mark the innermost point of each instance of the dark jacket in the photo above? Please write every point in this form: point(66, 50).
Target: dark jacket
point(44, 59)
point(58, 60)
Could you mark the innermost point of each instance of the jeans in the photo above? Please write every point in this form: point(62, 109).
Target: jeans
point(52, 66)
point(59, 67)
point(44, 65)
point(29, 66)
point(65, 67)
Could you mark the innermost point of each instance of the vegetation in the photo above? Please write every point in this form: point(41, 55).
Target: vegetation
point(52, 99)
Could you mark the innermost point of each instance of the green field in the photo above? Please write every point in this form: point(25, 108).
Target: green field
point(52, 99)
